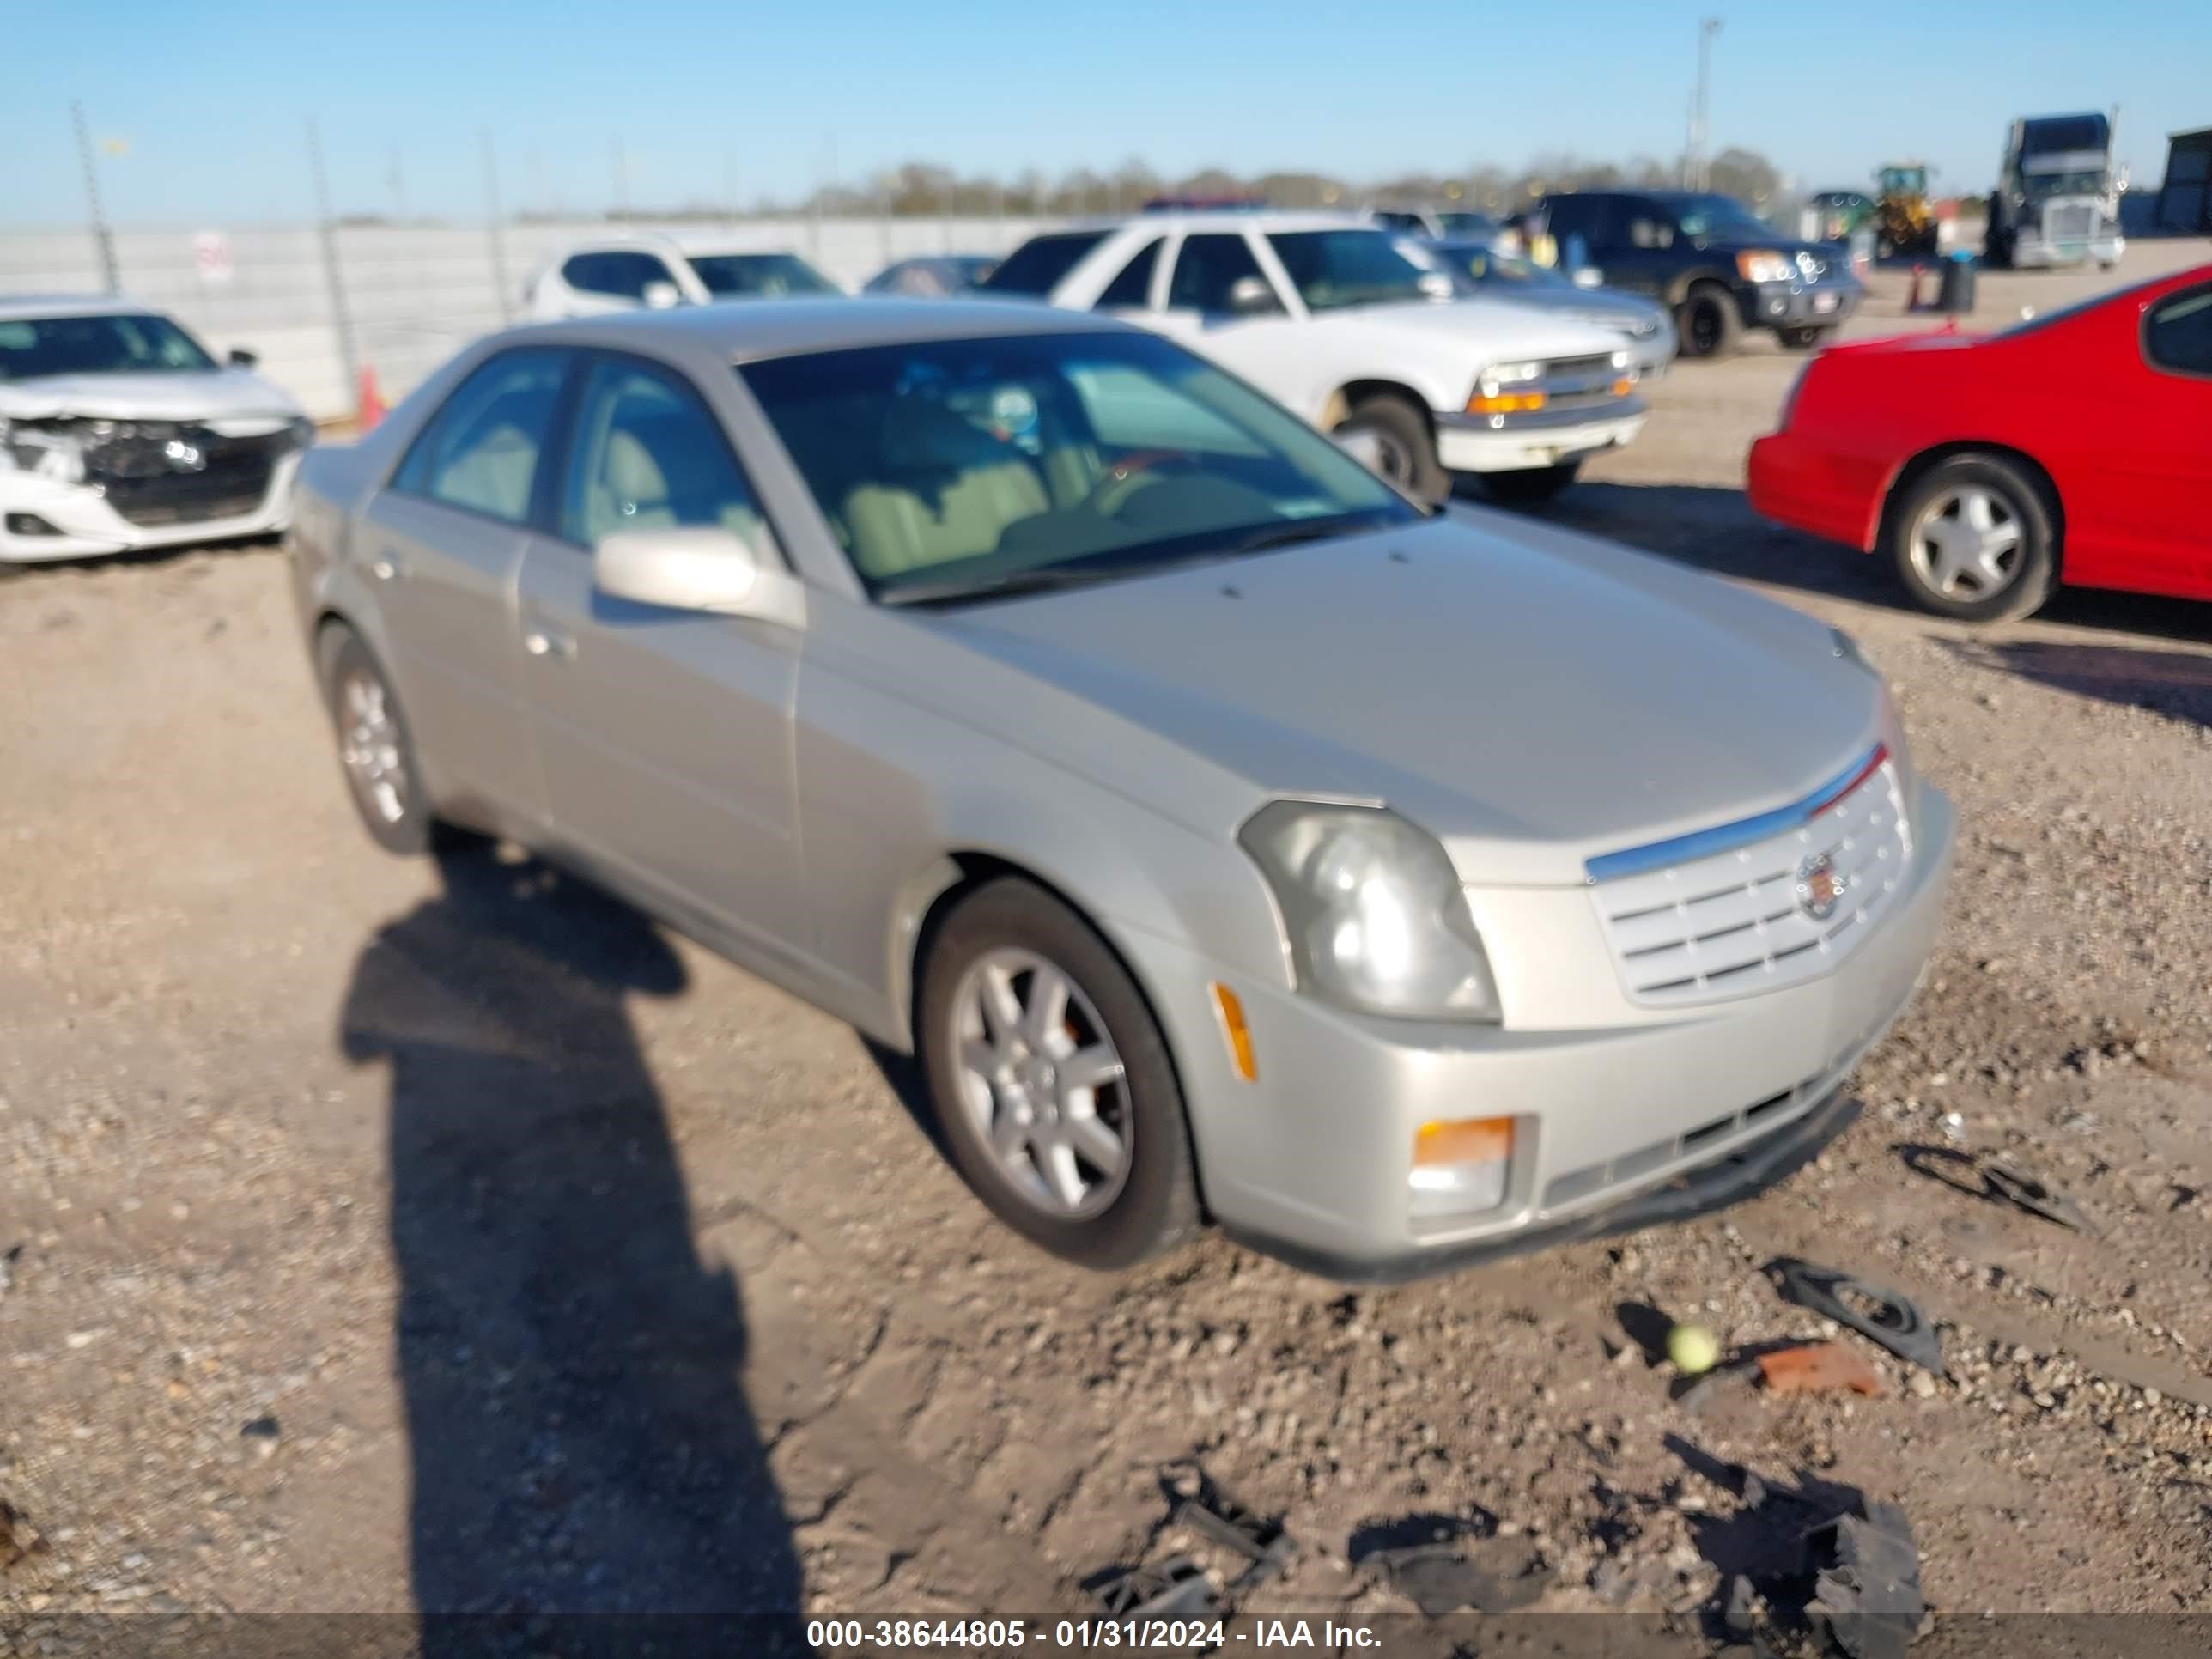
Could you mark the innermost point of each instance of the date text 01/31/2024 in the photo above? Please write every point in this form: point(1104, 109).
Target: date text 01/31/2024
point(991, 1636)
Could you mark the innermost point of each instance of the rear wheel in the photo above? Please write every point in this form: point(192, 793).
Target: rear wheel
point(375, 750)
point(1527, 487)
point(1974, 540)
point(1052, 1082)
point(1407, 447)
point(1707, 321)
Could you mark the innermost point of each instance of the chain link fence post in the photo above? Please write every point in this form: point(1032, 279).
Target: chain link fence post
point(341, 315)
point(494, 230)
point(100, 238)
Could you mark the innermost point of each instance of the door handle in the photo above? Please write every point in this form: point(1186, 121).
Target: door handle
point(543, 642)
point(386, 566)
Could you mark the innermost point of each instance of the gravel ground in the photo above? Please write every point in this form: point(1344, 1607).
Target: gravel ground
point(378, 1234)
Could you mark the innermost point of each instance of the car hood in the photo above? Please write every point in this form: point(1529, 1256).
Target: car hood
point(1533, 699)
point(1485, 327)
point(220, 398)
point(1597, 306)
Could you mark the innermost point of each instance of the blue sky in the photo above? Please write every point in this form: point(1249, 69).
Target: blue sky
point(211, 100)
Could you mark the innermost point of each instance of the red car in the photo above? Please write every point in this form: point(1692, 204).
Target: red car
point(2075, 447)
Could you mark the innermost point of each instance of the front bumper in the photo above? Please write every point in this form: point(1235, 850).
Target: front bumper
point(85, 525)
point(1521, 443)
point(2031, 252)
point(1800, 305)
point(1645, 1117)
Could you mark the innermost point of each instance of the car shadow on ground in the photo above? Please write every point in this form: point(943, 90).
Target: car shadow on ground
point(1713, 529)
point(580, 1438)
point(2175, 683)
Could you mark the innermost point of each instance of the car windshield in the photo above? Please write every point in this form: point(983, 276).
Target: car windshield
point(1333, 269)
point(1466, 224)
point(759, 275)
point(1716, 215)
point(119, 343)
point(1035, 267)
point(2043, 187)
point(956, 470)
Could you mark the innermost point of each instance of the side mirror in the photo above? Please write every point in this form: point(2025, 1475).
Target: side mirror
point(1589, 276)
point(1250, 296)
point(700, 570)
point(241, 358)
point(1362, 445)
point(1435, 285)
point(662, 296)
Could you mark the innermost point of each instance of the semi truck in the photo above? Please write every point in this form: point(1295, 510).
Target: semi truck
point(2057, 199)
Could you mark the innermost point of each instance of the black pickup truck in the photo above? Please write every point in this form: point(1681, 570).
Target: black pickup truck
point(1705, 256)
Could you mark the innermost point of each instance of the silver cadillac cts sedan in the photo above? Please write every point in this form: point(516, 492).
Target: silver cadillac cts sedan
point(1231, 839)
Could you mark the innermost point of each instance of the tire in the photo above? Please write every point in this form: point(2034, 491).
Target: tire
point(1532, 486)
point(1802, 339)
point(1707, 322)
point(1949, 580)
point(387, 790)
point(1146, 1207)
point(1409, 448)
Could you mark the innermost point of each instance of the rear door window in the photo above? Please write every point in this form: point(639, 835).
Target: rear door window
point(480, 451)
point(1035, 268)
point(1132, 287)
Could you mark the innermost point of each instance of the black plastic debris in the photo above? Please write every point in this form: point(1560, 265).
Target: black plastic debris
point(1444, 1577)
point(1176, 1588)
point(1896, 1323)
point(1866, 1600)
point(2034, 1195)
point(1202, 1506)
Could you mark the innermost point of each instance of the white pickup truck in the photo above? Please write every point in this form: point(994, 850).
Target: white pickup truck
point(1323, 312)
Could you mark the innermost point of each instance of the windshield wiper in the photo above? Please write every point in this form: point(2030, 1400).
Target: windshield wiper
point(1040, 579)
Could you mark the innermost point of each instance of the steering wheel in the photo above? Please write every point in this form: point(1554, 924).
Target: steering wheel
point(1130, 474)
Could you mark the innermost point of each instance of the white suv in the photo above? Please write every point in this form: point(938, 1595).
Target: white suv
point(626, 273)
point(1324, 313)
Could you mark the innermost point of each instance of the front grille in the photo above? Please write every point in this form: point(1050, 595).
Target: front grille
point(2070, 223)
point(1713, 925)
point(1579, 382)
point(1812, 267)
point(143, 483)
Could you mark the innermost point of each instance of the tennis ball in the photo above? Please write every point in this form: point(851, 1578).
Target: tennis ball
point(1692, 1348)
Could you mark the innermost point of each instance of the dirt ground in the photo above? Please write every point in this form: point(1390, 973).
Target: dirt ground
point(375, 1234)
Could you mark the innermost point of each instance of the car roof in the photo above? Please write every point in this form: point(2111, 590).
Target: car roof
point(27, 306)
point(1204, 219)
point(743, 331)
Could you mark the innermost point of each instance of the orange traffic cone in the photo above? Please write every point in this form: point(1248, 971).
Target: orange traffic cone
point(369, 402)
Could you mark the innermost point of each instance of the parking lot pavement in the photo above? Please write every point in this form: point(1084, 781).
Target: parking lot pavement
point(378, 1230)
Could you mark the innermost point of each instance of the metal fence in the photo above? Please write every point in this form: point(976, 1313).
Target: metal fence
point(318, 307)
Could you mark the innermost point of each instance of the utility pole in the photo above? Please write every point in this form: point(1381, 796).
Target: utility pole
point(498, 236)
point(1702, 119)
point(100, 239)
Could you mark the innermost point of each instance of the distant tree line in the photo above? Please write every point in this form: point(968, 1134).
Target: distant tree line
point(928, 189)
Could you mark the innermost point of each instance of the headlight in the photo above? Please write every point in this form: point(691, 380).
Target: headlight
point(1763, 266)
point(1377, 920)
point(1510, 374)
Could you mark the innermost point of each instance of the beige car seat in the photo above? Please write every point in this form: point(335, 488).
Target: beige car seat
point(948, 491)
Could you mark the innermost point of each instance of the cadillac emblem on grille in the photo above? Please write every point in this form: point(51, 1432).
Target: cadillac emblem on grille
point(1819, 888)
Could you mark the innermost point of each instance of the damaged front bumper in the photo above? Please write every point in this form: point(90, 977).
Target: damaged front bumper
point(77, 487)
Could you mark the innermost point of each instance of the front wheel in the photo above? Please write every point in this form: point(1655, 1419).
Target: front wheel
point(1406, 448)
point(1052, 1082)
point(1972, 540)
point(1707, 322)
point(1529, 487)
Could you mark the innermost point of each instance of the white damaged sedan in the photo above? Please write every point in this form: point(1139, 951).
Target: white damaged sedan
point(119, 431)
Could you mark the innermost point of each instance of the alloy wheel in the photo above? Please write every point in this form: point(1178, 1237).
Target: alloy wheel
point(1042, 1084)
point(369, 744)
point(1966, 544)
